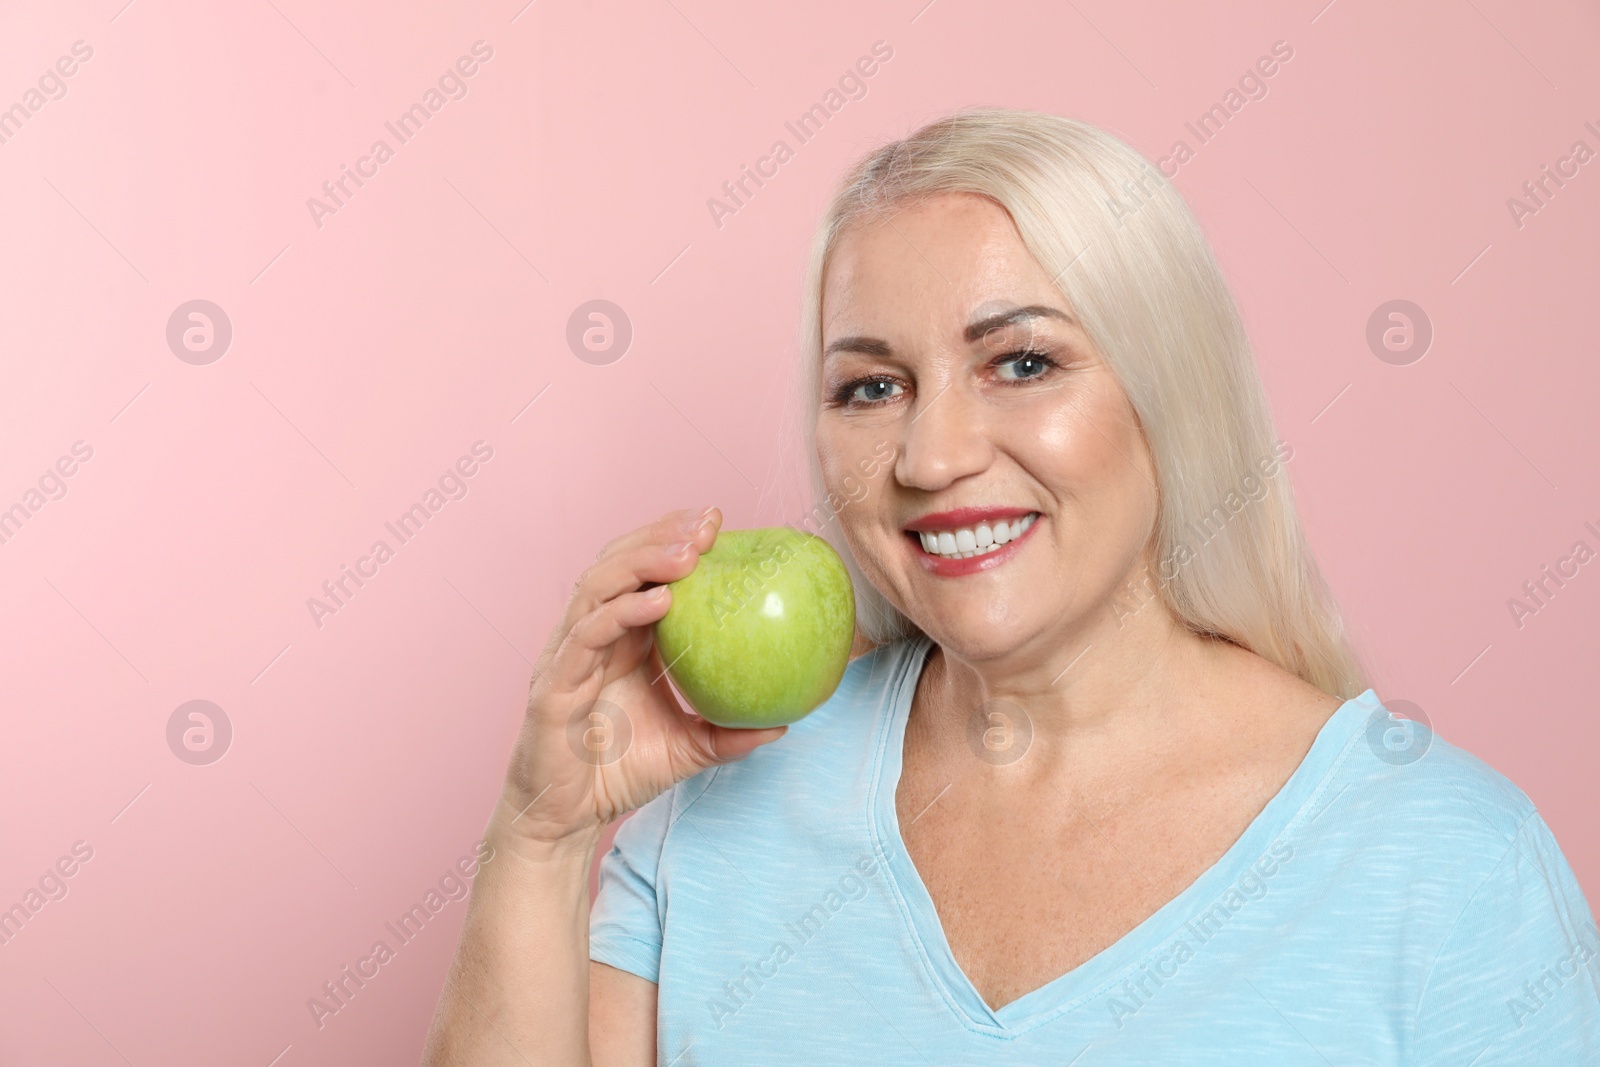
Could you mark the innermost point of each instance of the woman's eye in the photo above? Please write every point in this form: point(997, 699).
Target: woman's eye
point(1025, 365)
point(871, 392)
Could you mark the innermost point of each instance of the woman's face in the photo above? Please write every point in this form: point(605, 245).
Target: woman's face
point(947, 346)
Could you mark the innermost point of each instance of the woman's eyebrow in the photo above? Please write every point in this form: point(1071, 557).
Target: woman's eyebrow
point(975, 331)
point(869, 346)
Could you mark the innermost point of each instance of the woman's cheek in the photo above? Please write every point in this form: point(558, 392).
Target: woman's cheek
point(868, 532)
point(1081, 437)
point(848, 454)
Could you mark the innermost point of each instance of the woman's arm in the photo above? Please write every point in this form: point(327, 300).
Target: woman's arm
point(622, 1018)
point(502, 948)
point(514, 992)
point(602, 735)
point(518, 991)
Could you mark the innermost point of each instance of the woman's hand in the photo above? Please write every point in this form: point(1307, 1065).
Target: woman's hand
point(603, 733)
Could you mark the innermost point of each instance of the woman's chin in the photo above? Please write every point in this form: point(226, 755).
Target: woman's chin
point(976, 642)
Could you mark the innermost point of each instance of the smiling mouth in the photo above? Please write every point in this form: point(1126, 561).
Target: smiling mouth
point(966, 542)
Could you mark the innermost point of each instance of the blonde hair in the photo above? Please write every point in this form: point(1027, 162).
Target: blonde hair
point(1135, 268)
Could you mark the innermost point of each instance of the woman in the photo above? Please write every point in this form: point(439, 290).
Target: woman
point(1109, 787)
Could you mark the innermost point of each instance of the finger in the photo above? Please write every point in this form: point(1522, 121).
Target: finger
point(628, 654)
point(659, 530)
point(727, 744)
point(647, 557)
point(584, 649)
point(586, 595)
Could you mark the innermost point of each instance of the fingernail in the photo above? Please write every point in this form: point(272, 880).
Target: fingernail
point(694, 523)
point(657, 593)
point(679, 549)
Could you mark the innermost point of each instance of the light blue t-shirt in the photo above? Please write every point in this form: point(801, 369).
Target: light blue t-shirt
point(1397, 902)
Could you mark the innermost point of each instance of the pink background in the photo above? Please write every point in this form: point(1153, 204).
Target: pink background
point(372, 351)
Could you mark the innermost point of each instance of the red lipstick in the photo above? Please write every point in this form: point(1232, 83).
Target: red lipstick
point(948, 567)
point(954, 520)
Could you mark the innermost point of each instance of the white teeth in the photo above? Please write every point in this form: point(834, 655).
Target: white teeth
point(973, 541)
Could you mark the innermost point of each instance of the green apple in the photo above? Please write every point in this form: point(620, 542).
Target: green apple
point(759, 633)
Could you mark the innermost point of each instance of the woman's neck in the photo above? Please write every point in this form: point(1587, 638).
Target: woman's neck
point(1076, 702)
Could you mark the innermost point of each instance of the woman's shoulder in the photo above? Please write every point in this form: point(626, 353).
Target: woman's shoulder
point(1403, 785)
point(1503, 905)
point(1388, 779)
point(1437, 777)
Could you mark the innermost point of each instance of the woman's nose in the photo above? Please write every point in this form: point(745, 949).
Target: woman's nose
point(945, 438)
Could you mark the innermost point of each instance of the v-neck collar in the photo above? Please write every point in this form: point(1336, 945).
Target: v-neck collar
point(1092, 977)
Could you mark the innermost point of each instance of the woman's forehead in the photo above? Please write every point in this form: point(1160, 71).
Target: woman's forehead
point(951, 267)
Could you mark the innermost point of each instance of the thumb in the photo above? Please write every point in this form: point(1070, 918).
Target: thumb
point(728, 744)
